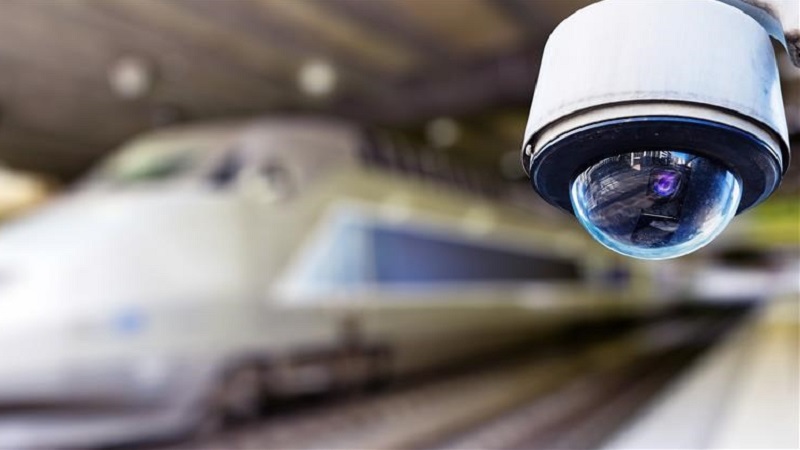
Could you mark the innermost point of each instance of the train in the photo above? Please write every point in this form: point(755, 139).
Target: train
point(202, 270)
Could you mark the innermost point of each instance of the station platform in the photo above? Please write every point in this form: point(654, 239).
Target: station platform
point(744, 394)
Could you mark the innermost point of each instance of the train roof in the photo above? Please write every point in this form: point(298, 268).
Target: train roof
point(232, 128)
point(342, 141)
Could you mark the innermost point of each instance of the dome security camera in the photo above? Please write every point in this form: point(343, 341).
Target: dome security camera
point(656, 122)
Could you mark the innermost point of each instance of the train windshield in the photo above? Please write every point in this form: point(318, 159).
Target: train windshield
point(154, 160)
point(138, 167)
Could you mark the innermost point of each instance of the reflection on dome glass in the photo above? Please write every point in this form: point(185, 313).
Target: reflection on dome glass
point(655, 204)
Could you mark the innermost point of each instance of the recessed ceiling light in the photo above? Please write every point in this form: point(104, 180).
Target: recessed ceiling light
point(442, 132)
point(317, 78)
point(131, 77)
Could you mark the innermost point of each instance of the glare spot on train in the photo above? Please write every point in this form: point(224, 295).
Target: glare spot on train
point(478, 221)
point(396, 207)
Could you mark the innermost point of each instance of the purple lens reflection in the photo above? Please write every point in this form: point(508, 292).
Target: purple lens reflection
point(665, 183)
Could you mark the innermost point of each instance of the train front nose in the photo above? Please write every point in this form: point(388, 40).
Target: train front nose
point(56, 357)
point(66, 330)
point(32, 342)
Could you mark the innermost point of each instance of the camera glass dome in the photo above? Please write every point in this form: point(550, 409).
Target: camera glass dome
point(655, 204)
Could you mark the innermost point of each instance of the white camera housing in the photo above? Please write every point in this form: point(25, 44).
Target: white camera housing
point(697, 77)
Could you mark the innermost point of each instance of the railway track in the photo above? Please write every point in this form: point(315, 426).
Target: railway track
point(588, 409)
point(571, 396)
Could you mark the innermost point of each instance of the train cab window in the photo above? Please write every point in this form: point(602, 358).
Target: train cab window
point(277, 180)
point(226, 171)
point(269, 179)
point(147, 166)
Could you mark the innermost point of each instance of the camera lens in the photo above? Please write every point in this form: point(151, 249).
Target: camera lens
point(655, 204)
point(664, 183)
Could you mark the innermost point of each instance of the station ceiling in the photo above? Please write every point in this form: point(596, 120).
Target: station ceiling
point(398, 63)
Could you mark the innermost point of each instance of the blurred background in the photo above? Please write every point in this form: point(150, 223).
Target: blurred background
point(341, 180)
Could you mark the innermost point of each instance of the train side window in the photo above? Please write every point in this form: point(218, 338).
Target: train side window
point(409, 256)
point(354, 253)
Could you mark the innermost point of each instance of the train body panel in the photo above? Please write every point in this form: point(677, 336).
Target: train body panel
point(271, 244)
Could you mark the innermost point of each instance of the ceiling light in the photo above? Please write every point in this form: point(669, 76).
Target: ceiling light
point(131, 77)
point(317, 78)
point(442, 132)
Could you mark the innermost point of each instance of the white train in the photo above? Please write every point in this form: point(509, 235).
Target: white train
point(203, 268)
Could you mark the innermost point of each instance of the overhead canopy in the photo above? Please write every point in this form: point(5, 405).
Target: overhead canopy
point(81, 76)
